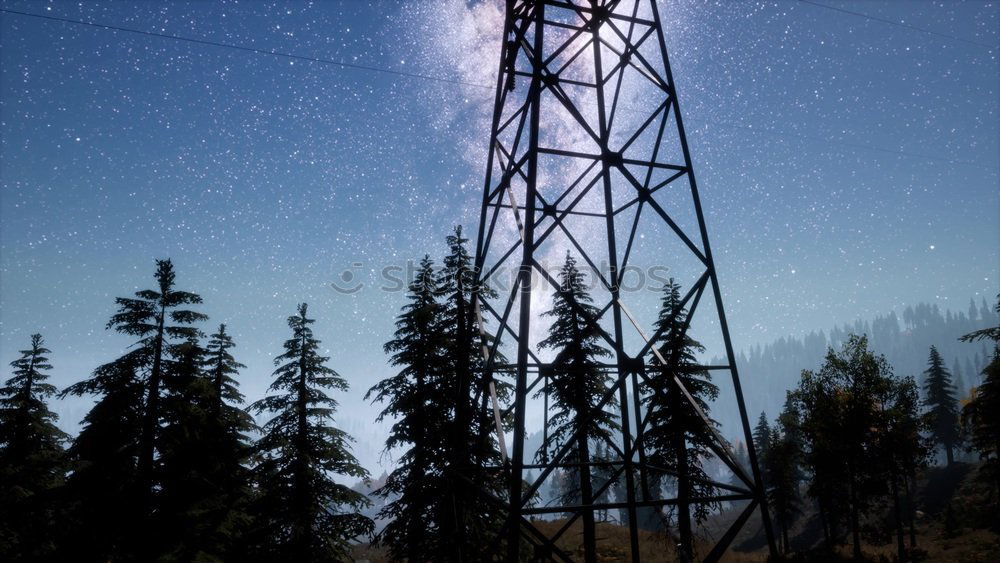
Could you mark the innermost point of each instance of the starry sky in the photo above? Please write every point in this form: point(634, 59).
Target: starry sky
point(848, 166)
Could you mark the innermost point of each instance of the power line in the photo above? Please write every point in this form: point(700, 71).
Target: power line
point(341, 64)
point(247, 49)
point(898, 24)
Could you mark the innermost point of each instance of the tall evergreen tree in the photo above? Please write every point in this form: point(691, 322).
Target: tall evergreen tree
point(781, 467)
point(307, 515)
point(106, 521)
point(762, 440)
point(470, 436)
point(575, 385)
point(941, 404)
point(678, 438)
point(414, 398)
point(32, 460)
point(204, 480)
point(157, 317)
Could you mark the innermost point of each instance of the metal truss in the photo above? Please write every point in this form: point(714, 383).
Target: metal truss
point(585, 109)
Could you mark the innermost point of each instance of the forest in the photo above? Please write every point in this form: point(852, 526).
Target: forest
point(170, 465)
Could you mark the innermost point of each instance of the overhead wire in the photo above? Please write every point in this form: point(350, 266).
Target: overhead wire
point(487, 88)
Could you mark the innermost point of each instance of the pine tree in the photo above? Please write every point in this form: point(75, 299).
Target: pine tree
point(576, 383)
point(762, 440)
point(470, 436)
point(781, 467)
point(156, 317)
point(32, 460)
point(307, 515)
point(203, 478)
point(678, 438)
point(961, 389)
point(939, 398)
point(414, 398)
point(106, 521)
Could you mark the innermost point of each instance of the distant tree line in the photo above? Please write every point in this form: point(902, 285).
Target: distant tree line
point(852, 436)
point(903, 339)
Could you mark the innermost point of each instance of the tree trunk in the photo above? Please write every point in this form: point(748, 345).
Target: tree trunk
point(826, 525)
point(855, 524)
point(949, 454)
point(586, 490)
point(150, 419)
point(898, 514)
point(911, 511)
point(686, 553)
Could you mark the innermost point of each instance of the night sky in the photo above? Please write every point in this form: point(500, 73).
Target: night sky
point(848, 166)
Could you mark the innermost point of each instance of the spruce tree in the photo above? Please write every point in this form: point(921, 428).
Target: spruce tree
point(762, 440)
point(782, 470)
point(106, 521)
point(306, 514)
point(414, 398)
point(469, 438)
point(678, 438)
point(202, 474)
point(32, 460)
point(157, 317)
point(941, 404)
point(575, 385)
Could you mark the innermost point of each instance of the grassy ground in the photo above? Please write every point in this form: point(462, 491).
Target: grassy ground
point(957, 522)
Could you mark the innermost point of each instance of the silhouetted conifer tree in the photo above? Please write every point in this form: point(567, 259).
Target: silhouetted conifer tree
point(762, 442)
point(105, 515)
point(32, 460)
point(782, 471)
point(156, 317)
point(414, 398)
point(575, 385)
point(678, 438)
point(942, 406)
point(204, 484)
point(469, 437)
point(306, 515)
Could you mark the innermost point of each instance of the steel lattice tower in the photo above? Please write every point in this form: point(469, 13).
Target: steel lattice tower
point(587, 143)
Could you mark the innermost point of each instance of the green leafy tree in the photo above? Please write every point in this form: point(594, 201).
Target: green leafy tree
point(903, 450)
point(979, 416)
point(841, 416)
point(942, 406)
point(307, 515)
point(678, 438)
point(575, 384)
point(413, 398)
point(32, 460)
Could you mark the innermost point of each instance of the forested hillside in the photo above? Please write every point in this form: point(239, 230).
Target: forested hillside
point(768, 371)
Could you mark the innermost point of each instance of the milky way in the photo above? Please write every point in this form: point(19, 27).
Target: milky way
point(847, 167)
